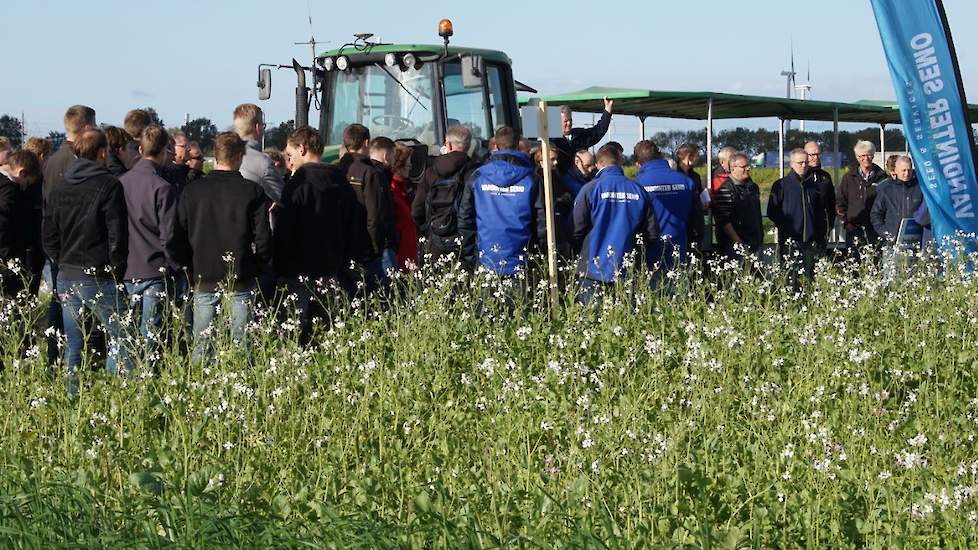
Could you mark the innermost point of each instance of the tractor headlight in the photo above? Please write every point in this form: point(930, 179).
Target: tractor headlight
point(342, 62)
point(327, 63)
point(390, 59)
point(411, 61)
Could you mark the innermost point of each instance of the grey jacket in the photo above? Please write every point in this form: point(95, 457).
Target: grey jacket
point(258, 168)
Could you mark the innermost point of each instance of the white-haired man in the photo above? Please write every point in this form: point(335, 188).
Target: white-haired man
point(855, 195)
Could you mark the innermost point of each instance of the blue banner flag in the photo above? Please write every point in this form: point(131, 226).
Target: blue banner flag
point(933, 109)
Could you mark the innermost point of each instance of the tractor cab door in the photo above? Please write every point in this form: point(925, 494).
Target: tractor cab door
point(481, 105)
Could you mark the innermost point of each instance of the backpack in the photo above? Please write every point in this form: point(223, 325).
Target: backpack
point(441, 209)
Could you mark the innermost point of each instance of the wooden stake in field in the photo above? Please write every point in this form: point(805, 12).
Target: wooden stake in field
point(548, 194)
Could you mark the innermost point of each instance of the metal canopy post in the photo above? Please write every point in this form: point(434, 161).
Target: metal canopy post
point(709, 138)
point(707, 239)
point(781, 146)
point(835, 144)
point(641, 128)
point(838, 231)
point(883, 140)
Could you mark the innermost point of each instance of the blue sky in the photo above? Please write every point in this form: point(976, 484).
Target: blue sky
point(201, 57)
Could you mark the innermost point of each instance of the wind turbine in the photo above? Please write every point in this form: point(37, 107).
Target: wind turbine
point(805, 90)
point(789, 80)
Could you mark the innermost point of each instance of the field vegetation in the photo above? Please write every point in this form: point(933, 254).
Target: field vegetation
point(727, 411)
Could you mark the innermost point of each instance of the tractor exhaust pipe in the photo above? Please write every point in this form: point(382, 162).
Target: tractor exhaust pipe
point(301, 96)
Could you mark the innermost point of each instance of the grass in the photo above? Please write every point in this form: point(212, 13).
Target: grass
point(732, 413)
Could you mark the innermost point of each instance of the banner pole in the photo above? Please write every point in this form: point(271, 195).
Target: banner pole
point(548, 194)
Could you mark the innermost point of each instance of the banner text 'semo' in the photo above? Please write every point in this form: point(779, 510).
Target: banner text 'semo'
point(933, 109)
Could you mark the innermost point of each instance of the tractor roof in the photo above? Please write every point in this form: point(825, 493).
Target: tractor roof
point(490, 55)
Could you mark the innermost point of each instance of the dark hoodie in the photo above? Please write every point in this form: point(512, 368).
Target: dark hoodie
point(502, 213)
point(454, 165)
point(316, 229)
point(86, 224)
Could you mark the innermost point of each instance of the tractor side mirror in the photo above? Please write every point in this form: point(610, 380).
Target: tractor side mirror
point(264, 84)
point(473, 69)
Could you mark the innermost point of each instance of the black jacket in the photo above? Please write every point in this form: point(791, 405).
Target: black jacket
point(151, 203)
point(372, 186)
point(29, 220)
point(54, 169)
point(314, 236)
point(582, 138)
point(797, 208)
point(85, 223)
point(11, 236)
point(114, 163)
point(826, 189)
point(176, 174)
point(10, 233)
point(856, 193)
point(456, 164)
point(224, 214)
point(895, 200)
point(740, 205)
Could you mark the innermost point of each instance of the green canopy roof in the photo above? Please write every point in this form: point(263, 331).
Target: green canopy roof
point(972, 109)
point(693, 105)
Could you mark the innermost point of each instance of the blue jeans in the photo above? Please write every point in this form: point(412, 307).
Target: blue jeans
point(206, 310)
point(149, 296)
point(55, 315)
point(101, 297)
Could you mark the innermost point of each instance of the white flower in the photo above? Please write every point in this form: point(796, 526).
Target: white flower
point(789, 451)
point(918, 441)
point(884, 475)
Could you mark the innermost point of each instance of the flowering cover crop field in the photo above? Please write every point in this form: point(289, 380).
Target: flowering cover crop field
point(735, 413)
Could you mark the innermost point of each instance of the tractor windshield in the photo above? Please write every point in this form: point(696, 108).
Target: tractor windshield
point(403, 103)
point(396, 104)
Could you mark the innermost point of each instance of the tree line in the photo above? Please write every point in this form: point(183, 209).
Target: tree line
point(762, 140)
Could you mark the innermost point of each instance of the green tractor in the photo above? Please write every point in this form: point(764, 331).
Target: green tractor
point(407, 92)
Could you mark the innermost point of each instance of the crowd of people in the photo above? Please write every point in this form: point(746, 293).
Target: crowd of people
point(124, 223)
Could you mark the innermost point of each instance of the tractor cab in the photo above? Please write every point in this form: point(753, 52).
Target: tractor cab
point(411, 92)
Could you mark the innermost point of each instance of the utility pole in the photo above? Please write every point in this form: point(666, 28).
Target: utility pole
point(23, 129)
